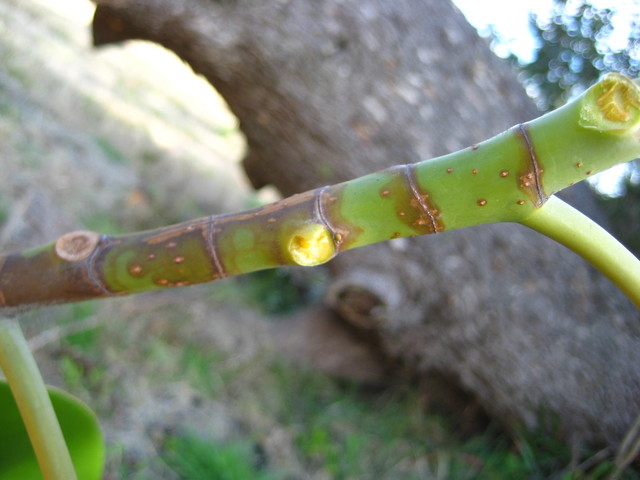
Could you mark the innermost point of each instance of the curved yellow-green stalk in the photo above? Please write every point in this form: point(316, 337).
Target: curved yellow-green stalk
point(34, 403)
point(568, 226)
point(508, 178)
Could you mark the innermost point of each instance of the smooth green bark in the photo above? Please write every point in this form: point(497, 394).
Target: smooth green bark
point(508, 178)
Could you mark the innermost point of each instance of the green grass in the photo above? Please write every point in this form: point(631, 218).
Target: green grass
point(102, 223)
point(337, 430)
point(8, 110)
point(343, 432)
point(17, 71)
point(279, 291)
point(85, 340)
point(272, 291)
point(196, 458)
point(199, 369)
point(4, 212)
point(110, 151)
point(81, 376)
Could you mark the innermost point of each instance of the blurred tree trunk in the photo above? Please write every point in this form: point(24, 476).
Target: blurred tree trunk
point(326, 90)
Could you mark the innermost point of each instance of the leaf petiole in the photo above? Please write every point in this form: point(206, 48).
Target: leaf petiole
point(566, 225)
point(33, 400)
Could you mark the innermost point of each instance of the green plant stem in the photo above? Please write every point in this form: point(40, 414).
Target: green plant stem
point(33, 401)
point(563, 223)
point(504, 179)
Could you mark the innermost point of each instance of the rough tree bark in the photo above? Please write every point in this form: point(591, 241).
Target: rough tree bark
point(331, 89)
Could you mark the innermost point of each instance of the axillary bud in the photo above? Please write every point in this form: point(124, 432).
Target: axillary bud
point(311, 245)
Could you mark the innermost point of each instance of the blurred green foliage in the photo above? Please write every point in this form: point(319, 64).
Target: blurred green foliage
point(283, 290)
point(331, 429)
point(574, 48)
point(195, 458)
point(110, 150)
point(4, 212)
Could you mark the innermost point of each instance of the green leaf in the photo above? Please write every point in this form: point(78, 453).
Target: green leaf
point(79, 426)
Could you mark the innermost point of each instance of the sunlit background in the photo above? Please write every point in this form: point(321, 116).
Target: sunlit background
point(507, 25)
point(511, 21)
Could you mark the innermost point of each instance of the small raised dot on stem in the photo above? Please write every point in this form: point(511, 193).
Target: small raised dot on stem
point(135, 269)
point(504, 173)
point(482, 202)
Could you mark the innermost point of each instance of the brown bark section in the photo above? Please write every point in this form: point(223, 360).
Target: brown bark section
point(22, 282)
point(327, 90)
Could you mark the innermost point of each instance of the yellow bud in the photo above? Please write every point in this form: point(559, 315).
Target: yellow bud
point(611, 104)
point(312, 245)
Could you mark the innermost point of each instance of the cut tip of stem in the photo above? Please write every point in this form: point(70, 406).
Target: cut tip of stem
point(76, 246)
point(312, 245)
point(613, 104)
